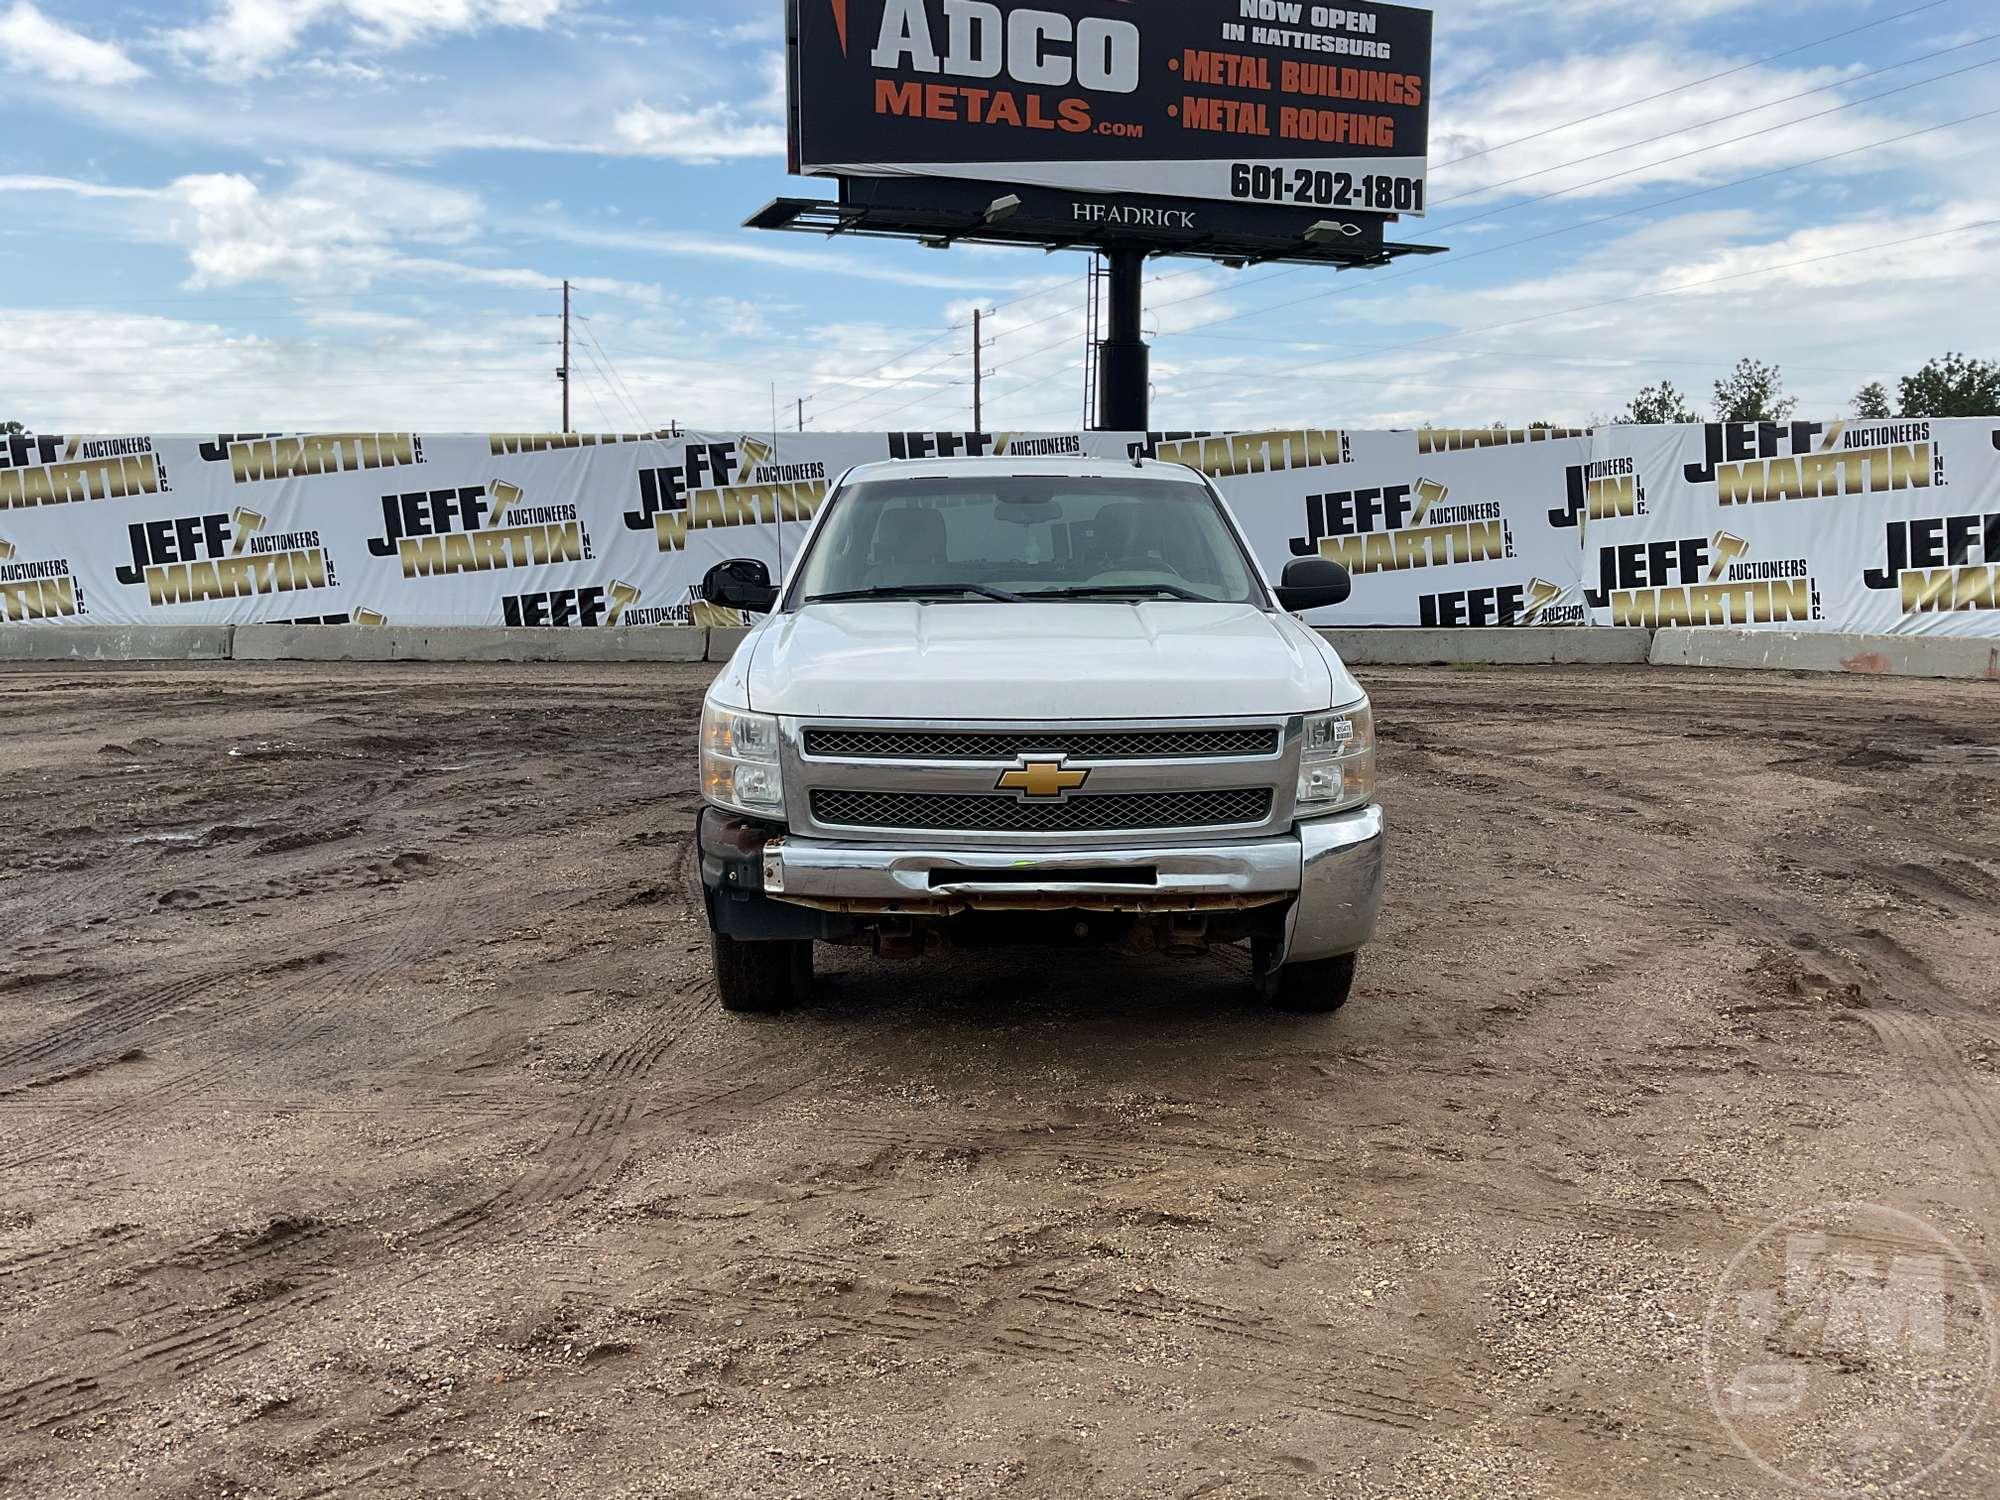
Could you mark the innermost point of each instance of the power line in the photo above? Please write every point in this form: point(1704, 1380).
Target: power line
point(1461, 258)
point(590, 352)
point(1617, 109)
point(1513, 244)
point(1681, 88)
point(1022, 382)
point(601, 357)
point(1617, 301)
point(880, 391)
point(1671, 291)
point(927, 395)
point(1667, 135)
point(1484, 217)
point(591, 391)
point(893, 359)
point(1646, 361)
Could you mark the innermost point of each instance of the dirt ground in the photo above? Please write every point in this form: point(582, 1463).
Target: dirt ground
point(368, 1124)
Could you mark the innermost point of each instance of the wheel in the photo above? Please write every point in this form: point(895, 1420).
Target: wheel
point(1318, 988)
point(761, 978)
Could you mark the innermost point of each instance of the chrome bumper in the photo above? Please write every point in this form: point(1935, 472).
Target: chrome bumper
point(1330, 870)
point(1344, 863)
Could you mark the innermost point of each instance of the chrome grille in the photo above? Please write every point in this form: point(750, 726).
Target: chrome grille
point(945, 812)
point(1010, 744)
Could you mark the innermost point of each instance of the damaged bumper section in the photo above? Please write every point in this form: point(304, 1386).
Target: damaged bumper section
point(1317, 889)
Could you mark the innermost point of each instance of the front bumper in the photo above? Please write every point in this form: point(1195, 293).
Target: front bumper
point(1328, 871)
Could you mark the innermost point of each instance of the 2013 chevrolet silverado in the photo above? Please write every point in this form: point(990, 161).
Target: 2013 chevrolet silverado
point(1046, 702)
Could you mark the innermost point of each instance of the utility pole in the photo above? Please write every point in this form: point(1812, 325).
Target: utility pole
point(563, 373)
point(802, 414)
point(978, 410)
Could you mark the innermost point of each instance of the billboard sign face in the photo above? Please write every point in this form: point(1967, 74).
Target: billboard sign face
point(1284, 103)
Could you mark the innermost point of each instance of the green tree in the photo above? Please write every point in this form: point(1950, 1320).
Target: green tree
point(1656, 404)
point(1753, 392)
point(1871, 402)
point(12, 429)
point(1953, 387)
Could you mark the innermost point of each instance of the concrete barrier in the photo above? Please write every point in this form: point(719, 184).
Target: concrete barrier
point(1520, 646)
point(53, 641)
point(458, 643)
point(1823, 651)
point(722, 642)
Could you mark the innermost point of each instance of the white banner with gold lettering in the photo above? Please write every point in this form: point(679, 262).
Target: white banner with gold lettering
point(1879, 526)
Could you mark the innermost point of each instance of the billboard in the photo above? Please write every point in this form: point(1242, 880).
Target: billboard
point(1252, 102)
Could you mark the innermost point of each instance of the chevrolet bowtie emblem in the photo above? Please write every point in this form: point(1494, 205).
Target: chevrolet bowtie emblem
point(1043, 780)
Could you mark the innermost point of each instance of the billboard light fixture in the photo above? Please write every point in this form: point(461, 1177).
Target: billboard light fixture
point(1002, 209)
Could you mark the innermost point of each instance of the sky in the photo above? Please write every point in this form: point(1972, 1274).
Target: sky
point(258, 215)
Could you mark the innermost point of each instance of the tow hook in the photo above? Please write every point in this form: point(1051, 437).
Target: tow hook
point(898, 937)
point(1187, 932)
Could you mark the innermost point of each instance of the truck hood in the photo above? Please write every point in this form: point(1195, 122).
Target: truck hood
point(1171, 659)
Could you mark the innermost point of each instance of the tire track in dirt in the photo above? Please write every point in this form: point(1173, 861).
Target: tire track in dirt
point(598, 1144)
point(292, 1016)
point(78, 1128)
point(111, 1020)
point(1044, 1320)
point(1917, 1043)
point(607, 1079)
point(178, 1356)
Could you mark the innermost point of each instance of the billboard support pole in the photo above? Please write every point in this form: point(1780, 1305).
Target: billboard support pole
point(1124, 363)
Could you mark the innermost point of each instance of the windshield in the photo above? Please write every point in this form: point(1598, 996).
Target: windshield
point(1010, 538)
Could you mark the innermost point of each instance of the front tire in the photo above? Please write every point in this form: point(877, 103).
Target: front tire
point(1318, 988)
point(761, 978)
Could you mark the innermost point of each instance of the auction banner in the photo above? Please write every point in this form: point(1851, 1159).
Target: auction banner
point(1276, 102)
point(538, 529)
point(1878, 527)
point(1872, 526)
point(1440, 527)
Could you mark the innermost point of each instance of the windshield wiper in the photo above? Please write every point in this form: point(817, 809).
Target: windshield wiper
point(1134, 591)
point(916, 591)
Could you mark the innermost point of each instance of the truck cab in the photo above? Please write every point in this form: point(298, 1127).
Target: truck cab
point(1043, 703)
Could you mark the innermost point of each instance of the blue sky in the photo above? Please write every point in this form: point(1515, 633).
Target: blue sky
point(236, 215)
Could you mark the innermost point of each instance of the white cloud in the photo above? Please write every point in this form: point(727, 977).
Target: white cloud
point(72, 186)
point(1573, 343)
point(750, 248)
point(1485, 123)
point(333, 224)
point(247, 37)
point(32, 43)
point(341, 229)
point(709, 133)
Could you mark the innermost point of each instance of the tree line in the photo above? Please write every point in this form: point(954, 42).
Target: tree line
point(1952, 385)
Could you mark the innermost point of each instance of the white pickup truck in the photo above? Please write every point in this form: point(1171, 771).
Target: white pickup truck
point(1035, 702)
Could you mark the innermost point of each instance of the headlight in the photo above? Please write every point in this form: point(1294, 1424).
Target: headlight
point(1337, 761)
point(739, 761)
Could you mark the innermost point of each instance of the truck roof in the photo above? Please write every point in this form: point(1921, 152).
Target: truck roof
point(1006, 466)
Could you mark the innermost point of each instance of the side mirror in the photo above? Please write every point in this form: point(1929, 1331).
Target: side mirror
point(741, 583)
point(1313, 583)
